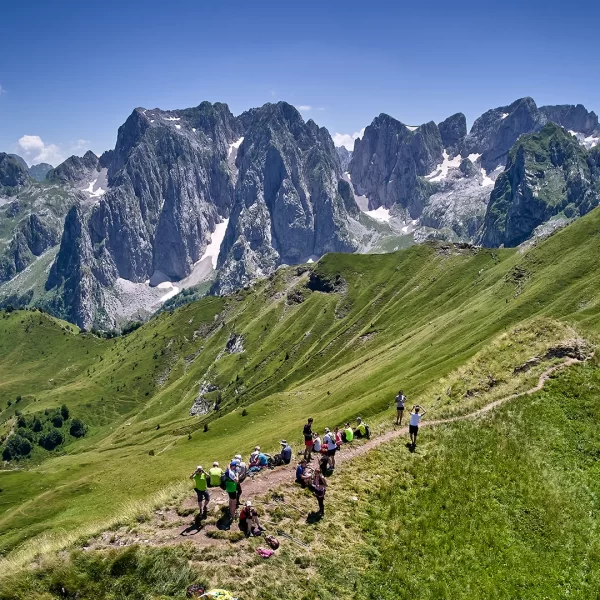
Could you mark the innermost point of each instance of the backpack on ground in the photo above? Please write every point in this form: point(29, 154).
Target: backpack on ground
point(272, 541)
point(277, 460)
point(367, 431)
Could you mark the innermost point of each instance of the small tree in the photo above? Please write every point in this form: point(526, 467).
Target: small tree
point(78, 428)
point(51, 440)
point(64, 411)
point(16, 446)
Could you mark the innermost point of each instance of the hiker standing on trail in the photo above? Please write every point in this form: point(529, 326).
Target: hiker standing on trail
point(215, 473)
point(231, 487)
point(400, 401)
point(331, 447)
point(318, 486)
point(200, 485)
point(242, 471)
point(416, 414)
point(308, 440)
point(338, 437)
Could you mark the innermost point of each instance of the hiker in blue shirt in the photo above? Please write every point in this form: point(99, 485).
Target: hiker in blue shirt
point(286, 452)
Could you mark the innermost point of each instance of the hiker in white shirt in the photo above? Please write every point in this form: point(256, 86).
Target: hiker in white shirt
point(331, 447)
point(416, 413)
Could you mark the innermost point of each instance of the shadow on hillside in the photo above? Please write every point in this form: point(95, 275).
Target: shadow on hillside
point(313, 517)
point(195, 526)
point(224, 521)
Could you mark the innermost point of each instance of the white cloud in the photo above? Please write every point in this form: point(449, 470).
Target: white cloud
point(347, 140)
point(35, 151)
point(81, 145)
point(304, 107)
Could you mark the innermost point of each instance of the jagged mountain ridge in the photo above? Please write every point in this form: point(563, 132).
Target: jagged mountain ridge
point(273, 186)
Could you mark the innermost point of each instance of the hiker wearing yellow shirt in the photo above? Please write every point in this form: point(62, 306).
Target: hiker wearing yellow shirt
point(200, 485)
point(361, 429)
point(215, 474)
point(348, 433)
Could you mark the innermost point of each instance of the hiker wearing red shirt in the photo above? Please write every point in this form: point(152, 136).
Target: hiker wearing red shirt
point(308, 440)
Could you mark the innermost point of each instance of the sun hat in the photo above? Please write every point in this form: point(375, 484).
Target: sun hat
point(199, 468)
point(238, 457)
point(327, 430)
point(283, 442)
point(215, 464)
point(248, 503)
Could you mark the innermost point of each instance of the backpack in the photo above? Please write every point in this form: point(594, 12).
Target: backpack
point(277, 461)
point(344, 436)
point(272, 541)
point(367, 431)
point(223, 480)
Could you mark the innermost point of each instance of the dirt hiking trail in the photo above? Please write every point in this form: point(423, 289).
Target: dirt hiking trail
point(169, 526)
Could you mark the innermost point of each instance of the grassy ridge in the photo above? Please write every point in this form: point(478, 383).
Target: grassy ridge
point(498, 508)
point(412, 319)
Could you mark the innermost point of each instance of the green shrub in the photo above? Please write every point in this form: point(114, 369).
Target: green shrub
point(51, 440)
point(78, 428)
point(64, 411)
point(57, 420)
point(16, 447)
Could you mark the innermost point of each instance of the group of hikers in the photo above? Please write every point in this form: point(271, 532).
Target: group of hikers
point(231, 478)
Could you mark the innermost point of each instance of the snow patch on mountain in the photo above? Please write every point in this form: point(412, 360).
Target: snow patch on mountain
point(234, 146)
point(213, 249)
point(441, 171)
point(379, 214)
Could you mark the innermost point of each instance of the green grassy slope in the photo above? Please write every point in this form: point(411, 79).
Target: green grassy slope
point(498, 508)
point(412, 319)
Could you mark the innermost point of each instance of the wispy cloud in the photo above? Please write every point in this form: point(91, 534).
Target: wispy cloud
point(81, 145)
point(347, 139)
point(304, 107)
point(35, 150)
point(2, 90)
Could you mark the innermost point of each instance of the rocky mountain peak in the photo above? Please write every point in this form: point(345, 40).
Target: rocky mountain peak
point(453, 130)
point(12, 172)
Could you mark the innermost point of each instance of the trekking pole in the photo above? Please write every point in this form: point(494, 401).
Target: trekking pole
point(293, 539)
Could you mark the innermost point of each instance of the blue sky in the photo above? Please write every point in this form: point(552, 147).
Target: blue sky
point(71, 72)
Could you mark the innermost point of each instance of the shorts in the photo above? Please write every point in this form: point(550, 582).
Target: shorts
point(202, 495)
point(308, 443)
point(414, 429)
point(232, 495)
point(331, 452)
point(399, 408)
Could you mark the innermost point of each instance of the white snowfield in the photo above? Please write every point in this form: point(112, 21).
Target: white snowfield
point(94, 193)
point(234, 145)
point(172, 118)
point(474, 157)
point(503, 116)
point(441, 171)
point(379, 214)
point(216, 239)
point(486, 179)
point(412, 127)
point(178, 126)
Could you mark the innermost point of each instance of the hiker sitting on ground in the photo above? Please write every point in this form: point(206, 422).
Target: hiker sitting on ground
point(400, 402)
point(286, 452)
point(318, 486)
point(361, 429)
point(254, 456)
point(316, 442)
point(200, 485)
point(303, 474)
point(348, 434)
point(249, 522)
point(308, 439)
point(416, 414)
point(214, 474)
point(330, 446)
point(338, 437)
point(231, 487)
